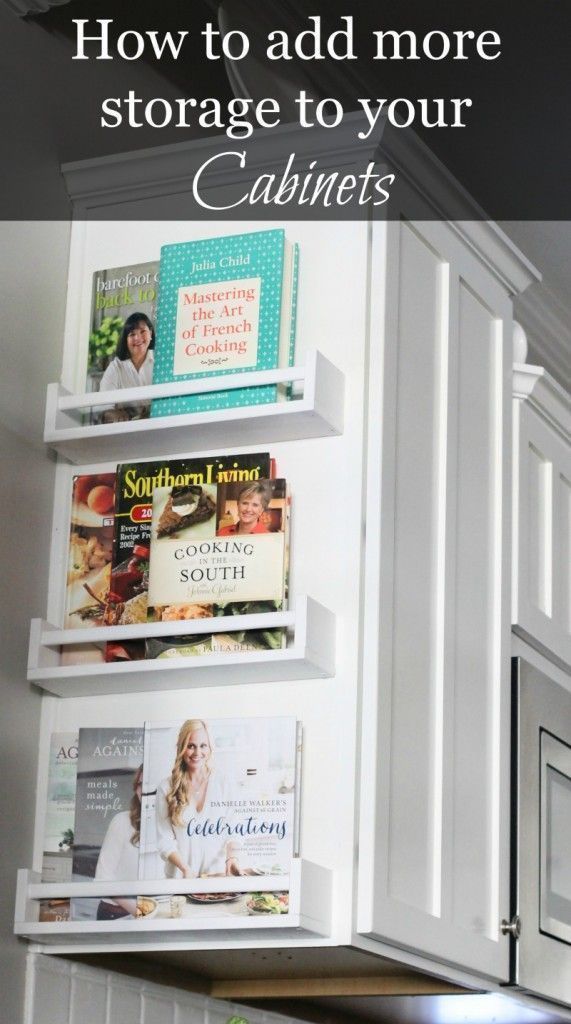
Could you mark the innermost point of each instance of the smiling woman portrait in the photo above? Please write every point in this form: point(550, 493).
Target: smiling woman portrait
point(193, 791)
point(132, 365)
point(253, 500)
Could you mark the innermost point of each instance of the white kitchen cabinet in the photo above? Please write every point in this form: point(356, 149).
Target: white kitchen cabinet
point(401, 529)
point(435, 742)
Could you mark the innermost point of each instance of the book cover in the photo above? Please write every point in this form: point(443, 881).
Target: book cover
point(54, 910)
point(60, 808)
point(90, 550)
point(214, 907)
point(219, 549)
point(227, 305)
point(219, 799)
point(198, 644)
point(107, 816)
point(120, 296)
point(136, 483)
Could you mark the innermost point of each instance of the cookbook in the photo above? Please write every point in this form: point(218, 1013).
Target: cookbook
point(60, 808)
point(219, 797)
point(107, 811)
point(225, 554)
point(90, 549)
point(226, 305)
point(117, 293)
point(136, 484)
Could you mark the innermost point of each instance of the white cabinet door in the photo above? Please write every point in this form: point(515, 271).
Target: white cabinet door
point(541, 611)
point(434, 807)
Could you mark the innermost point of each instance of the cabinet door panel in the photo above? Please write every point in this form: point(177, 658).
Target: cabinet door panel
point(433, 854)
point(542, 586)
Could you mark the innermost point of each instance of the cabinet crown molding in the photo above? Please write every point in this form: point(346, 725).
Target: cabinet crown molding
point(534, 385)
point(548, 327)
point(163, 170)
point(427, 190)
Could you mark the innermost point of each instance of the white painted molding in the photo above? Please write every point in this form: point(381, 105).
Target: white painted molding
point(164, 170)
point(168, 170)
point(534, 385)
point(446, 198)
point(520, 345)
point(547, 324)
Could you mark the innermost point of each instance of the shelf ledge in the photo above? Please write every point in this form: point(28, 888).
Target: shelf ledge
point(316, 412)
point(310, 654)
point(309, 886)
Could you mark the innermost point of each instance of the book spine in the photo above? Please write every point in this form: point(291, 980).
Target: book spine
point(146, 803)
point(294, 295)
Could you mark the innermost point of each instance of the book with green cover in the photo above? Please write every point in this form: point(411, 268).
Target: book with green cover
point(226, 305)
point(123, 306)
point(117, 293)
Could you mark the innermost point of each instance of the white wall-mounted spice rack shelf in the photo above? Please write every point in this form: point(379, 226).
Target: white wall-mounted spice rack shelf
point(308, 884)
point(314, 410)
point(309, 654)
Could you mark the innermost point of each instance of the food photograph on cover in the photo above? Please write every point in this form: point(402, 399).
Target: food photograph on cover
point(90, 550)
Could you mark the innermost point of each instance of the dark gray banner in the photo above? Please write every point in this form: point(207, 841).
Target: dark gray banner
point(286, 109)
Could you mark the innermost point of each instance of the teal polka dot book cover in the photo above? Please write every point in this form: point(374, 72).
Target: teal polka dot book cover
point(226, 305)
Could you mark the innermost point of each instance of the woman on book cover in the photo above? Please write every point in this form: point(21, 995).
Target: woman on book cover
point(252, 503)
point(133, 363)
point(194, 792)
point(119, 855)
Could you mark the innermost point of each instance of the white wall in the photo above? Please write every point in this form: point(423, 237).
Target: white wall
point(33, 269)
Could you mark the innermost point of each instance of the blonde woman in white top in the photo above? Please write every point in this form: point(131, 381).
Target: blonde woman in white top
point(192, 798)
